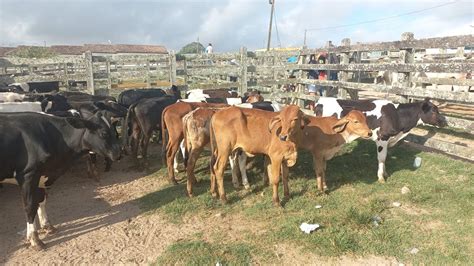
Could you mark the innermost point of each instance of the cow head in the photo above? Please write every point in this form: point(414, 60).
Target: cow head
point(353, 126)
point(98, 136)
point(253, 97)
point(430, 114)
point(288, 122)
point(174, 91)
point(58, 103)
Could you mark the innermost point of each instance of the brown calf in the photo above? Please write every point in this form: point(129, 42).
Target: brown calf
point(172, 126)
point(325, 136)
point(255, 132)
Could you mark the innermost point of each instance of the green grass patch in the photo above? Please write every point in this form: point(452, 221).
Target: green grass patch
point(435, 217)
point(204, 253)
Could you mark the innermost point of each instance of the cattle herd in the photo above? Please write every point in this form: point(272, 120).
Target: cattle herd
point(42, 134)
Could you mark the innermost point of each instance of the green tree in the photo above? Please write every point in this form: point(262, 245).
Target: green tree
point(192, 48)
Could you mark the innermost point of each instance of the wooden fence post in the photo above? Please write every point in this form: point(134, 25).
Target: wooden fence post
point(185, 67)
point(172, 67)
point(148, 76)
point(109, 80)
point(407, 56)
point(343, 75)
point(66, 78)
point(89, 72)
point(243, 71)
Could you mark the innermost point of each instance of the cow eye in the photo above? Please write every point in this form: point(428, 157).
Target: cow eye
point(356, 122)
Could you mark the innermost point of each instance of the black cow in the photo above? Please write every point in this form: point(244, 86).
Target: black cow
point(389, 122)
point(129, 97)
point(36, 149)
point(144, 117)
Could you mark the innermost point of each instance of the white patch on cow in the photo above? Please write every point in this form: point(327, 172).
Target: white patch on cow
point(245, 105)
point(377, 111)
point(105, 121)
point(91, 152)
point(42, 181)
point(11, 107)
point(381, 157)
point(196, 95)
point(23, 86)
point(49, 105)
point(30, 229)
point(243, 169)
point(330, 106)
point(11, 97)
point(42, 215)
point(74, 112)
point(11, 181)
point(182, 148)
point(393, 140)
point(420, 122)
point(234, 101)
point(276, 106)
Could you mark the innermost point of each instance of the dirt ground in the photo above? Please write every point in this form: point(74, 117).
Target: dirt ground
point(102, 223)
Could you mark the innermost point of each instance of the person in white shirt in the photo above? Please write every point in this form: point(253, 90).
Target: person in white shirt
point(209, 49)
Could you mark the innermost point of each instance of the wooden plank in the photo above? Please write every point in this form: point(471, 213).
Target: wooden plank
point(440, 42)
point(448, 67)
point(444, 81)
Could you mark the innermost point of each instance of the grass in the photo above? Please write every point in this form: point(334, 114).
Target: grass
point(436, 217)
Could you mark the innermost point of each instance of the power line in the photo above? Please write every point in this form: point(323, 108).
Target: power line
point(381, 19)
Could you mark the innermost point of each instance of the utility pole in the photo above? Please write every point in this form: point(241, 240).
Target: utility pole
point(304, 41)
point(272, 2)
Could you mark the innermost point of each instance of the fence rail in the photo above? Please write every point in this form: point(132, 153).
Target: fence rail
point(356, 66)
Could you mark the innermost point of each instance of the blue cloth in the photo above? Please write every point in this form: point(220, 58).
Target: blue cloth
point(292, 59)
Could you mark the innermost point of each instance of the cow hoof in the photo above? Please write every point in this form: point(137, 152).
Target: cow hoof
point(381, 180)
point(190, 195)
point(236, 185)
point(224, 200)
point(36, 243)
point(277, 204)
point(49, 229)
point(214, 195)
point(247, 186)
point(174, 182)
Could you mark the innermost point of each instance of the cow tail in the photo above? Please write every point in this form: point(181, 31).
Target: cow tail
point(125, 133)
point(185, 139)
point(164, 136)
point(213, 148)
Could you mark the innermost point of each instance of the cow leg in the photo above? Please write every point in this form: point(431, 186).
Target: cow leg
point(193, 156)
point(31, 195)
point(243, 169)
point(273, 169)
point(108, 164)
point(43, 217)
point(92, 167)
point(382, 148)
point(146, 141)
point(233, 165)
point(219, 168)
point(171, 150)
point(284, 175)
point(319, 165)
point(265, 172)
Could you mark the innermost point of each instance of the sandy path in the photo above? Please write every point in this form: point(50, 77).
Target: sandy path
point(102, 223)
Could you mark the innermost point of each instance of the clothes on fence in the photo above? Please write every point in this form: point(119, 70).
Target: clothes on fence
point(209, 49)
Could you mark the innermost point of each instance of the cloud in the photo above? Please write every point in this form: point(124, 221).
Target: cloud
point(228, 24)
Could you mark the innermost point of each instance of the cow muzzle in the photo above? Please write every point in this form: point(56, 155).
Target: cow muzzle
point(283, 137)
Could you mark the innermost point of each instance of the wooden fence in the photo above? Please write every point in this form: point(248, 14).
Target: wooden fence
point(272, 72)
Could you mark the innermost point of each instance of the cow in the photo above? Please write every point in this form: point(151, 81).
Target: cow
point(36, 149)
point(12, 107)
point(172, 126)
point(145, 116)
point(197, 137)
point(255, 132)
point(11, 97)
point(172, 129)
point(389, 122)
point(129, 97)
point(222, 96)
point(325, 136)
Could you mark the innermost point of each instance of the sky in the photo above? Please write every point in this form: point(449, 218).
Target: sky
point(227, 24)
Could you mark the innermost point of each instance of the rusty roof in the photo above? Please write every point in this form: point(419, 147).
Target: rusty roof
point(96, 48)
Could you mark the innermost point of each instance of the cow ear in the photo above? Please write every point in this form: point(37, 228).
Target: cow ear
point(425, 107)
point(340, 125)
point(100, 105)
point(304, 121)
point(79, 123)
point(275, 120)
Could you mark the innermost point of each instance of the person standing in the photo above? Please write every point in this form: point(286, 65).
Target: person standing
point(209, 48)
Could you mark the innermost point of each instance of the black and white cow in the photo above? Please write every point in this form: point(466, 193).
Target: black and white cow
point(36, 149)
point(388, 121)
point(131, 96)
